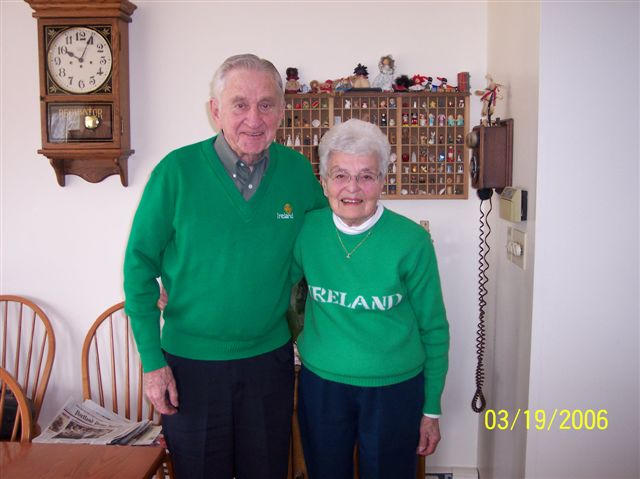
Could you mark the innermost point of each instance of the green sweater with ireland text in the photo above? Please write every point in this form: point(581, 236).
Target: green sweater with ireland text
point(224, 261)
point(378, 317)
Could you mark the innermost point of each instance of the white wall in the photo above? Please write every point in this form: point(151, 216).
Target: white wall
point(584, 352)
point(63, 247)
point(512, 59)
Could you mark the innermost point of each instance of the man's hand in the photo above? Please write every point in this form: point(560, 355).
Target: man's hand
point(156, 386)
point(429, 436)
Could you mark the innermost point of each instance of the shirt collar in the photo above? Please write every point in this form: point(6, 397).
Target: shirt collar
point(229, 157)
point(354, 230)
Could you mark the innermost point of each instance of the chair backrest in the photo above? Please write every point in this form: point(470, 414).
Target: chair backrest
point(27, 346)
point(111, 367)
point(21, 420)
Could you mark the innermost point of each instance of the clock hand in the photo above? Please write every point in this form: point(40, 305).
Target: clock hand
point(85, 49)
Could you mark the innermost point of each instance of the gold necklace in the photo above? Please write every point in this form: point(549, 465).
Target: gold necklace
point(349, 253)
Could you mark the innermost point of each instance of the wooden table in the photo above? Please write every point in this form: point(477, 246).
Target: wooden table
point(81, 461)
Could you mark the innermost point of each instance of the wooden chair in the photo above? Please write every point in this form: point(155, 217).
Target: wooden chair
point(27, 346)
point(112, 371)
point(22, 420)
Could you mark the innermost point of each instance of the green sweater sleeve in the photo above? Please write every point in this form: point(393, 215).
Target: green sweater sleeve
point(151, 231)
point(425, 296)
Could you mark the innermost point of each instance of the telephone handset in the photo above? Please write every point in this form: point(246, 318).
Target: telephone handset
point(490, 168)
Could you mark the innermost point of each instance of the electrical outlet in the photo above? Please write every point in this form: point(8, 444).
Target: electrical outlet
point(516, 247)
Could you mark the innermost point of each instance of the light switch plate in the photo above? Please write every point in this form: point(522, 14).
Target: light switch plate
point(517, 254)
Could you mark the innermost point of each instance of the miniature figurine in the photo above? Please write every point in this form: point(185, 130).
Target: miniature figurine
point(384, 80)
point(342, 84)
point(459, 157)
point(405, 119)
point(305, 123)
point(432, 119)
point(383, 119)
point(289, 142)
point(314, 86)
point(441, 119)
point(405, 159)
point(392, 138)
point(432, 137)
point(414, 157)
point(297, 141)
point(305, 105)
point(461, 103)
point(450, 154)
point(315, 123)
point(451, 121)
point(443, 85)
point(489, 96)
point(459, 138)
point(361, 77)
point(292, 85)
point(383, 103)
point(402, 83)
point(289, 122)
point(460, 169)
point(433, 104)
point(441, 157)
point(296, 121)
point(423, 120)
point(440, 139)
point(423, 139)
point(392, 121)
point(460, 120)
point(347, 103)
point(419, 82)
point(315, 140)
point(449, 138)
point(364, 104)
point(392, 102)
point(325, 87)
point(463, 82)
point(307, 140)
point(414, 118)
point(423, 168)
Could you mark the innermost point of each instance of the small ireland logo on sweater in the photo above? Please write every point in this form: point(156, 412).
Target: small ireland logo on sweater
point(287, 213)
point(343, 299)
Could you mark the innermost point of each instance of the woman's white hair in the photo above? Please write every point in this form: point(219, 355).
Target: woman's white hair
point(246, 61)
point(355, 137)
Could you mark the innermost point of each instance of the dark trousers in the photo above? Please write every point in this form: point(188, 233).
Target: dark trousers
point(234, 417)
point(385, 422)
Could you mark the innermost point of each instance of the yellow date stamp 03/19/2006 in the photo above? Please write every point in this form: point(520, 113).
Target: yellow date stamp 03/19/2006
point(543, 420)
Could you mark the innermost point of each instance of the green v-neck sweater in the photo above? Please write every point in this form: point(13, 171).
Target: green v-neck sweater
point(376, 318)
point(223, 260)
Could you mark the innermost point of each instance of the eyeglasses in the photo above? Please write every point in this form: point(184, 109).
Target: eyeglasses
point(364, 178)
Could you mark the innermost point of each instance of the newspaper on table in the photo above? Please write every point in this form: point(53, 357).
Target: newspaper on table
point(89, 423)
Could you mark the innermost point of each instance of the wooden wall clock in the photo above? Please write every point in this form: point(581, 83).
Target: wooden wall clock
point(83, 50)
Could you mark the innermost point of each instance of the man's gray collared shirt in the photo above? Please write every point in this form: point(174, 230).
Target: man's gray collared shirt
point(245, 179)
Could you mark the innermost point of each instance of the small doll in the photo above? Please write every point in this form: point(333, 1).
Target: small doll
point(292, 85)
point(384, 80)
point(361, 77)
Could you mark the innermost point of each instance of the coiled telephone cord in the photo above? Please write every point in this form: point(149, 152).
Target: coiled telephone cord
point(478, 403)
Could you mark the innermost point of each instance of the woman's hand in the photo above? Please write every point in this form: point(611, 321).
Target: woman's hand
point(429, 436)
point(163, 299)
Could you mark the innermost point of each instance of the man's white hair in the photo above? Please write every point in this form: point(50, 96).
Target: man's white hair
point(246, 61)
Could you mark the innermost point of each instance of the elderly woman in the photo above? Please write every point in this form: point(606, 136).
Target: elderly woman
point(375, 340)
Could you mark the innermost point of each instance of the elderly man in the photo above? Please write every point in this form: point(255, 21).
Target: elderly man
point(217, 222)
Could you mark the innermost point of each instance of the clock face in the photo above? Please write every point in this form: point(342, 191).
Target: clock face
point(79, 60)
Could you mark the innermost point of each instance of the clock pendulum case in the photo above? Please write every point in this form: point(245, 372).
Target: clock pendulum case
point(83, 50)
